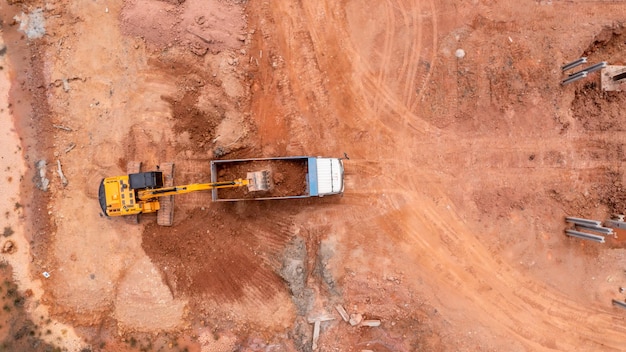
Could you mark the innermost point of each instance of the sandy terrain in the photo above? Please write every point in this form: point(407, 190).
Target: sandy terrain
point(462, 167)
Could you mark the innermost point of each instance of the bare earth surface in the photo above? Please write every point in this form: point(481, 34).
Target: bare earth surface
point(460, 173)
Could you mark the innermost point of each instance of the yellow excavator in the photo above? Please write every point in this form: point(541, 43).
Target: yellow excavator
point(139, 193)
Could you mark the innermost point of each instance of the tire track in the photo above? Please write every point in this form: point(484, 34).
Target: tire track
point(465, 273)
point(511, 303)
point(399, 106)
point(386, 53)
point(372, 87)
point(414, 50)
point(432, 57)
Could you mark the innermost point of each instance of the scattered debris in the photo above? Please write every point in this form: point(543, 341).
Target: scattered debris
point(61, 127)
point(294, 272)
point(342, 312)
point(322, 318)
point(316, 334)
point(33, 24)
point(316, 328)
point(205, 40)
point(355, 319)
point(370, 323)
point(40, 179)
point(64, 181)
point(70, 147)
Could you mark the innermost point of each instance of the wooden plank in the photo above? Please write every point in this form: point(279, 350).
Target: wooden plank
point(342, 312)
point(316, 333)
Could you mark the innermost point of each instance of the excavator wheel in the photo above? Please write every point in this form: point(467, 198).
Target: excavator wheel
point(133, 167)
point(165, 214)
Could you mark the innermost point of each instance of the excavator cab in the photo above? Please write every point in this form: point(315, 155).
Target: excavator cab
point(119, 195)
point(143, 180)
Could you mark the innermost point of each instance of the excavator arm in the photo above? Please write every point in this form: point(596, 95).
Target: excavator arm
point(147, 194)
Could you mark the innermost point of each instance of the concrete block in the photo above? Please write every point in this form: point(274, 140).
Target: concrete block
point(355, 319)
point(616, 224)
point(370, 323)
point(607, 81)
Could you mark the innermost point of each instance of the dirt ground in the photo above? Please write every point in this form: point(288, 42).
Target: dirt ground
point(462, 166)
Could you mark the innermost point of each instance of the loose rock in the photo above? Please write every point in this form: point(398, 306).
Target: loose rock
point(355, 319)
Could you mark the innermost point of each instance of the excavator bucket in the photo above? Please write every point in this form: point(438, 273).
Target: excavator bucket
point(259, 181)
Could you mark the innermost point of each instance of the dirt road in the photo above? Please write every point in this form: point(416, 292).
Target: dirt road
point(462, 166)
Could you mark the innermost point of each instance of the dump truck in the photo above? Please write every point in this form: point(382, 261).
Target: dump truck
point(290, 177)
point(231, 180)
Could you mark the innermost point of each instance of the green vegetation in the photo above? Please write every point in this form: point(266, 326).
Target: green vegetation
point(23, 334)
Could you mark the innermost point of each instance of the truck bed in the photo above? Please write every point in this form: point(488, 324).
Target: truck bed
point(289, 178)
